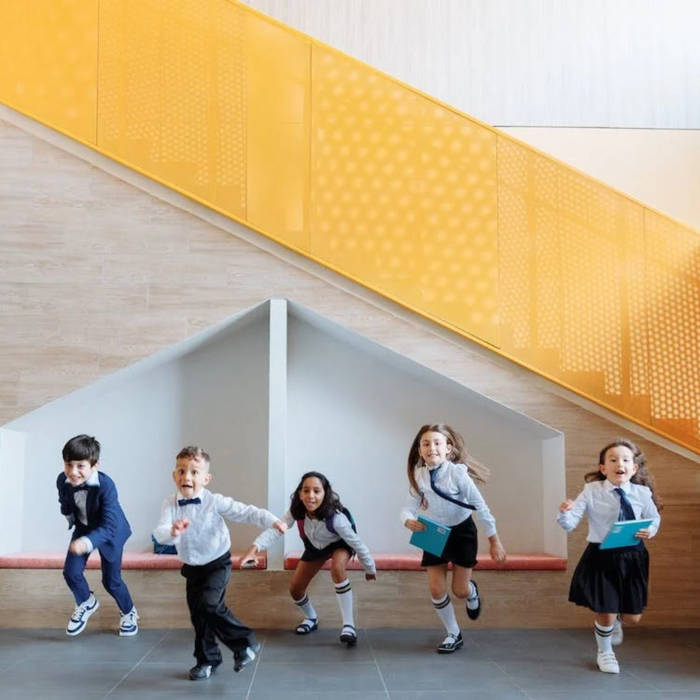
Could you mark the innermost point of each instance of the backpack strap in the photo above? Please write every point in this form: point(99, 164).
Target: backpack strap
point(300, 527)
point(347, 514)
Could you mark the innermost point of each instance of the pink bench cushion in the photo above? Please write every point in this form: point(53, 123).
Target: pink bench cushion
point(131, 560)
point(411, 562)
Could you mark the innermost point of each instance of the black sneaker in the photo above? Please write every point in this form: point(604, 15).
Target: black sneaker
point(473, 614)
point(450, 644)
point(201, 672)
point(242, 657)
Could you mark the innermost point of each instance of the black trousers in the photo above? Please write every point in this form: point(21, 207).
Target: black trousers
point(211, 618)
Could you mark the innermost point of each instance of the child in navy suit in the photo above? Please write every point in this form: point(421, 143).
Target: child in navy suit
point(89, 501)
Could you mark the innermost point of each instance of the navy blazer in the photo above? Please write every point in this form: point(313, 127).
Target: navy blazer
point(107, 526)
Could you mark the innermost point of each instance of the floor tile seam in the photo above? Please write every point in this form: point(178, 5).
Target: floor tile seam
point(376, 663)
point(133, 668)
point(515, 683)
point(258, 661)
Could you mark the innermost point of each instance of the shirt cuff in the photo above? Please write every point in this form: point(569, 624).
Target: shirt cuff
point(88, 544)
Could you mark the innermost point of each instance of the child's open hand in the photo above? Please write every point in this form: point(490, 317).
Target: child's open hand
point(414, 525)
point(280, 527)
point(179, 526)
point(78, 547)
point(250, 561)
point(371, 577)
point(496, 550)
point(644, 534)
point(566, 505)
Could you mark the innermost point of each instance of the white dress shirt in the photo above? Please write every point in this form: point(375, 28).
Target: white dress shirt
point(80, 498)
point(320, 536)
point(601, 504)
point(455, 481)
point(207, 536)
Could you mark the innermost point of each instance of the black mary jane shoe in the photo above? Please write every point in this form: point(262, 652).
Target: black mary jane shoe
point(473, 614)
point(450, 644)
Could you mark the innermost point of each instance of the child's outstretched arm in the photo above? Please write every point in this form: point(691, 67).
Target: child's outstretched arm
point(344, 529)
point(266, 538)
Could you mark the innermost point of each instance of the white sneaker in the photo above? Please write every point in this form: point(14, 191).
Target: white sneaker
point(128, 624)
point(81, 614)
point(617, 633)
point(607, 662)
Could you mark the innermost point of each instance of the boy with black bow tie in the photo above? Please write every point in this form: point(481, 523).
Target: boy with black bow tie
point(89, 501)
point(193, 520)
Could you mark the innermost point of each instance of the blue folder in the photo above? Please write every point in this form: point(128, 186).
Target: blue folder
point(621, 533)
point(433, 538)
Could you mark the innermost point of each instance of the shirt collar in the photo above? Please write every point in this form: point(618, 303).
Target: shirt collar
point(609, 486)
point(93, 479)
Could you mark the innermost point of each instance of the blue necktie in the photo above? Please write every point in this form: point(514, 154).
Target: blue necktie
point(442, 494)
point(187, 501)
point(626, 511)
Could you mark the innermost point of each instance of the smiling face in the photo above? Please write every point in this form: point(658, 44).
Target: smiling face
point(312, 493)
point(618, 465)
point(79, 471)
point(191, 475)
point(433, 448)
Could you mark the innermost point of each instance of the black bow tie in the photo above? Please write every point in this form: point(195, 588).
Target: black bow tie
point(187, 501)
point(82, 487)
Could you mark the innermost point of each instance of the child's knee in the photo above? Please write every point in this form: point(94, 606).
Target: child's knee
point(460, 591)
point(634, 619)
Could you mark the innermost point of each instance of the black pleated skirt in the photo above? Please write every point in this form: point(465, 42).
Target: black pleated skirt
point(460, 548)
point(612, 580)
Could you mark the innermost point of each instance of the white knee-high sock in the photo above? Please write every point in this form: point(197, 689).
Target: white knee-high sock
point(472, 598)
point(603, 637)
point(446, 613)
point(343, 594)
point(306, 607)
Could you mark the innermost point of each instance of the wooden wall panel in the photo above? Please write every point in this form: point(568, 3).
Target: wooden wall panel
point(96, 274)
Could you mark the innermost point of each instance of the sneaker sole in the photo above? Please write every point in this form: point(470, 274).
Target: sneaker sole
point(128, 633)
point(88, 614)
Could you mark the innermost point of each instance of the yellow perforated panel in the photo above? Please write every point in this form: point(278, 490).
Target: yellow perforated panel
point(278, 124)
point(48, 62)
point(673, 302)
point(404, 194)
point(572, 278)
point(172, 94)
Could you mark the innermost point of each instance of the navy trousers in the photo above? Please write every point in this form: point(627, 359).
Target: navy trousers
point(73, 572)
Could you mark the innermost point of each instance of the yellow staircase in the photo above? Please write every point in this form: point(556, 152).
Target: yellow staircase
point(437, 211)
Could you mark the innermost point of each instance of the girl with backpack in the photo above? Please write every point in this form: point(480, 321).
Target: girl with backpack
point(328, 532)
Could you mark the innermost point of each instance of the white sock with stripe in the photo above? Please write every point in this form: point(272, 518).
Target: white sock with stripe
point(603, 636)
point(305, 605)
point(343, 594)
point(446, 613)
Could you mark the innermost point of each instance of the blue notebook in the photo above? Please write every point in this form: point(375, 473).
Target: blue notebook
point(621, 533)
point(433, 538)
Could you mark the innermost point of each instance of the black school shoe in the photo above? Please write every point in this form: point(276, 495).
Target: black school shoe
point(242, 657)
point(450, 644)
point(473, 614)
point(201, 672)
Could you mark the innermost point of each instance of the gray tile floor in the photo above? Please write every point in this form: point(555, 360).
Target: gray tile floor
point(387, 663)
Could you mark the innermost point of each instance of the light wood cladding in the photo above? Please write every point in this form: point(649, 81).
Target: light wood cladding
point(96, 274)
